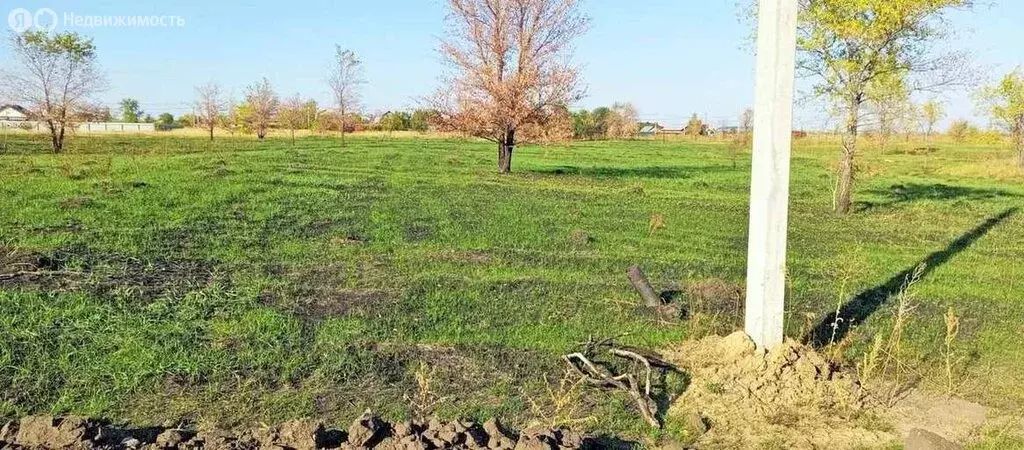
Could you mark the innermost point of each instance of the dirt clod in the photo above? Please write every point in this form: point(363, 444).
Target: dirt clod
point(300, 434)
point(171, 438)
point(365, 431)
point(56, 433)
point(8, 432)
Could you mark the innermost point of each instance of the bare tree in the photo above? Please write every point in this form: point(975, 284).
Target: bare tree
point(907, 118)
point(509, 69)
point(887, 101)
point(293, 114)
point(235, 117)
point(345, 78)
point(57, 78)
point(310, 112)
point(931, 113)
point(747, 121)
point(744, 138)
point(263, 104)
point(695, 127)
point(209, 106)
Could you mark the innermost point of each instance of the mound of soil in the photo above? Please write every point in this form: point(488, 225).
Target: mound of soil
point(367, 432)
point(787, 397)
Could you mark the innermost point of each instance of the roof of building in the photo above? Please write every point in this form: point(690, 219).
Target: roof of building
point(17, 108)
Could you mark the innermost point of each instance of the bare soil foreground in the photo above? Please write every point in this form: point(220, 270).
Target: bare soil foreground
point(740, 397)
point(368, 431)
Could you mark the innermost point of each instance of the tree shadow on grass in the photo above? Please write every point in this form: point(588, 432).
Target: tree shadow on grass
point(665, 172)
point(835, 326)
point(898, 194)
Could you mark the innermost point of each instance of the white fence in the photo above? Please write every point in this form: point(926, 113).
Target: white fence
point(83, 128)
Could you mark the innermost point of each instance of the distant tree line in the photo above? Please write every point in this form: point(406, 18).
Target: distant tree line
point(296, 114)
point(617, 122)
point(864, 59)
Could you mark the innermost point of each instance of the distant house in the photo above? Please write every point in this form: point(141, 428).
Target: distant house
point(648, 130)
point(13, 113)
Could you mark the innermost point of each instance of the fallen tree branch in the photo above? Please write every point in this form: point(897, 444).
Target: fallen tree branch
point(640, 359)
point(598, 376)
point(591, 346)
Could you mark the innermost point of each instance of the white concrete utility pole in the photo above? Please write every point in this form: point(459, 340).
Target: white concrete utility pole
point(769, 189)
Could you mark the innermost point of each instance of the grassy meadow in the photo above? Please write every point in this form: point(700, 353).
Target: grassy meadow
point(173, 281)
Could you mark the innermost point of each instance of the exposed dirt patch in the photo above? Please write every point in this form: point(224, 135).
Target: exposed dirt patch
point(462, 372)
point(350, 239)
point(710, 306)
point(322, 292)
point(292, 223)
point(12, 259)
point(76, 202)
point(79, 268)
point(463, 257)
point(418, 232)
point(951, 418)
point(716, 297)
point(69, 226)
point(21, 268)
point(111, 187)
point(581, 238)
point(340, 302)
point(153, 278)
point(366, 432)
point(789, 397)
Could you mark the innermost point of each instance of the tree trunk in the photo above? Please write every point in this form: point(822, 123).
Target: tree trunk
point(1019, 135)
point(343, 127)
point(643, 287)
point(56, 137)
point(1020, 149)
point(211, 134)
point(844, 187)
point(505, 149)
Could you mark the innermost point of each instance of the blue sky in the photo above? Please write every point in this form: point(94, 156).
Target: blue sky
point(670, 58)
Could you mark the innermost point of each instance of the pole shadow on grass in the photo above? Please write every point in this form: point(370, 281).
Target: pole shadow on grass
point(862, 306)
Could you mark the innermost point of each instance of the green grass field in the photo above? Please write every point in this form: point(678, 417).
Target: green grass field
point(256, 282)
